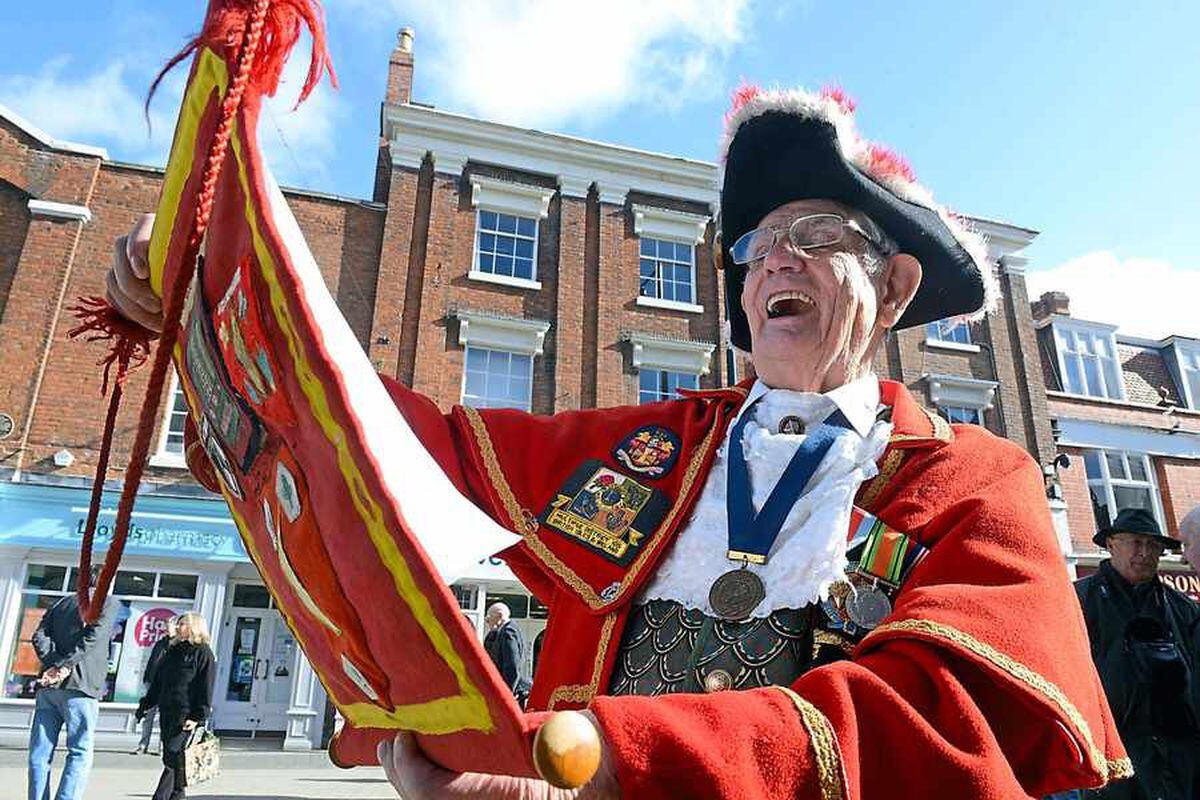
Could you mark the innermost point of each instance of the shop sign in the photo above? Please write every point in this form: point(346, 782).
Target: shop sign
point(52, 516)
point(146, 624)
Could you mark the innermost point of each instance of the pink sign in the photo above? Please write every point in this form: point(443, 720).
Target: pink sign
point(152, 626)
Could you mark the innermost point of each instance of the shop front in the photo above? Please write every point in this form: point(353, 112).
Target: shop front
point(183, 554)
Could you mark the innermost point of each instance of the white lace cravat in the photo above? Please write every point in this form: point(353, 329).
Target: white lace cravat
point(810, 552)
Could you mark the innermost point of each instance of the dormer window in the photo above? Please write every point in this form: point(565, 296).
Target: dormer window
point(1087, 359)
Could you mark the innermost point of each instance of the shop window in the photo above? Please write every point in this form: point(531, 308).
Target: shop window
point(506, 245)
point(666, 270)
point(660, 384)
point(1118, 480)
point(181, 586)
point(497, 379)
point(137, 584)
point(251, 595)
point(147, 599)
point(466, 595)
point(45, 576)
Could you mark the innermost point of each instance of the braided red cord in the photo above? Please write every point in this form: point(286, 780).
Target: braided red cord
point(91, 603)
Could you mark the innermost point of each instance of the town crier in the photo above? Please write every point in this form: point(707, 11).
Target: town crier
point(805, 585)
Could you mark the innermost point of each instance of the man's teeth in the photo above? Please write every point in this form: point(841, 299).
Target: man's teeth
point(789, 302)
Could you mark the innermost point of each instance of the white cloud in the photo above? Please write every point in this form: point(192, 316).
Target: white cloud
point(104, 107)
point(539, 63)
point(1144, 296)
point(101, 108)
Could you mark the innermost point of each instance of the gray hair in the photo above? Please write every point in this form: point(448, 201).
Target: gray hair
point(871, 260)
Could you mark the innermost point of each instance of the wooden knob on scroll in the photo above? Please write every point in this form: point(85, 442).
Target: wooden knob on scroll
point(566, 750)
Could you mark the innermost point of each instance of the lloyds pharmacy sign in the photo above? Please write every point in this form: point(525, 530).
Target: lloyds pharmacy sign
point(54, 517)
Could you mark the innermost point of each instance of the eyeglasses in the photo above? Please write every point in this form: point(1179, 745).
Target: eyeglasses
point(811, 232)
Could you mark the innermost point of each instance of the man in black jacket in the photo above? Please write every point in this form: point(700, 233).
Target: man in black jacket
point(505, 644)
point(1145, 639)
point(156, 656)
point(74, 660)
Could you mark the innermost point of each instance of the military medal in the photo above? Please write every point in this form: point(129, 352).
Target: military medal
point(735, 594)
point(867, 607)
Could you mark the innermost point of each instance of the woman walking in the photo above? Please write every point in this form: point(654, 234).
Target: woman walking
point(182, 691)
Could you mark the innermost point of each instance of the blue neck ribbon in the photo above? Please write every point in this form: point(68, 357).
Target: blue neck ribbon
point(751, 535)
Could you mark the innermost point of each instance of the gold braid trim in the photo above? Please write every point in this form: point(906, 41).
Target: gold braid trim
point(891, 464)
point(517, 517)
point(525, 523)
point(1109, 769)
point(1119, 769)
point(583, 693)
point(824, 744)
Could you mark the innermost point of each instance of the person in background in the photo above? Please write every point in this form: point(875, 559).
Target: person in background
point(182, 691)
point(1144, 637)
point(506, 646)
point(1189, 533)
point(152, 663)
point(74, 660)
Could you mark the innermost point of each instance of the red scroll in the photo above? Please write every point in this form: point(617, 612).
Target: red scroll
point(341, 509)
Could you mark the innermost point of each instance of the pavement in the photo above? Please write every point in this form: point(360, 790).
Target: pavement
point(269, 775)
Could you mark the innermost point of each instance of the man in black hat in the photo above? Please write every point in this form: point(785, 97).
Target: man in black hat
point(1144, 637)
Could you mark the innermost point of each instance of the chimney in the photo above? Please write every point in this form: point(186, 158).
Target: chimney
point(400, 70)
point(1051, 303)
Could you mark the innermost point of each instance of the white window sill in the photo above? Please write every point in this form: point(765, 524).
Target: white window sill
point(169, 460)
point(958, 346)
point(670, 305)
point(504, 280)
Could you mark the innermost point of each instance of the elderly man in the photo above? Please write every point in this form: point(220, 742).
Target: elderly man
point(1144, 638)
point(506, 647)
point(805, 585)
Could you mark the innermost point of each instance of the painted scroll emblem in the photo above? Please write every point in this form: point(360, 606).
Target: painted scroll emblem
point(651, 450)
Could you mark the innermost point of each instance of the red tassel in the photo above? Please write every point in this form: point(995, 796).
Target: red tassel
point(129, 342)
point(225, 28)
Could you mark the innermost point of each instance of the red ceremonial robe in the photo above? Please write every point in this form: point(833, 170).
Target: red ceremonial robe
point(979, 685)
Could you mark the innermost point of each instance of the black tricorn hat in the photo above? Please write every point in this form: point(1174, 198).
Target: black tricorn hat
point(782, 146)
point(1135, 520)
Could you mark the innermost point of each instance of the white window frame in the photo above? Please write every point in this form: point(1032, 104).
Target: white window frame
point(516, 199)
point(462, 394)
point(162, 456)
point(1111, 376)
point(484, 331)
point(936, 331)
point(1106, 481)
point(1185, 351)
point(659, 372)
point(678, 227)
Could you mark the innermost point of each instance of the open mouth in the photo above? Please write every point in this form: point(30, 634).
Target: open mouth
point(787, 304)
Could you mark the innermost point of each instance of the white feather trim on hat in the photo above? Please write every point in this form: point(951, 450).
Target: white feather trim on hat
point(881, 164)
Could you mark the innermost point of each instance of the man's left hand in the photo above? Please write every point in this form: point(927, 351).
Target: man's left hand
point(417, 778)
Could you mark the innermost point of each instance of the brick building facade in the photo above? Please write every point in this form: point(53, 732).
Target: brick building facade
point(1126, 413)
point(492, 265)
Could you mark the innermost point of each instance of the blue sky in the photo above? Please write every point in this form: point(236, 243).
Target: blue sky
point(1078, 119)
